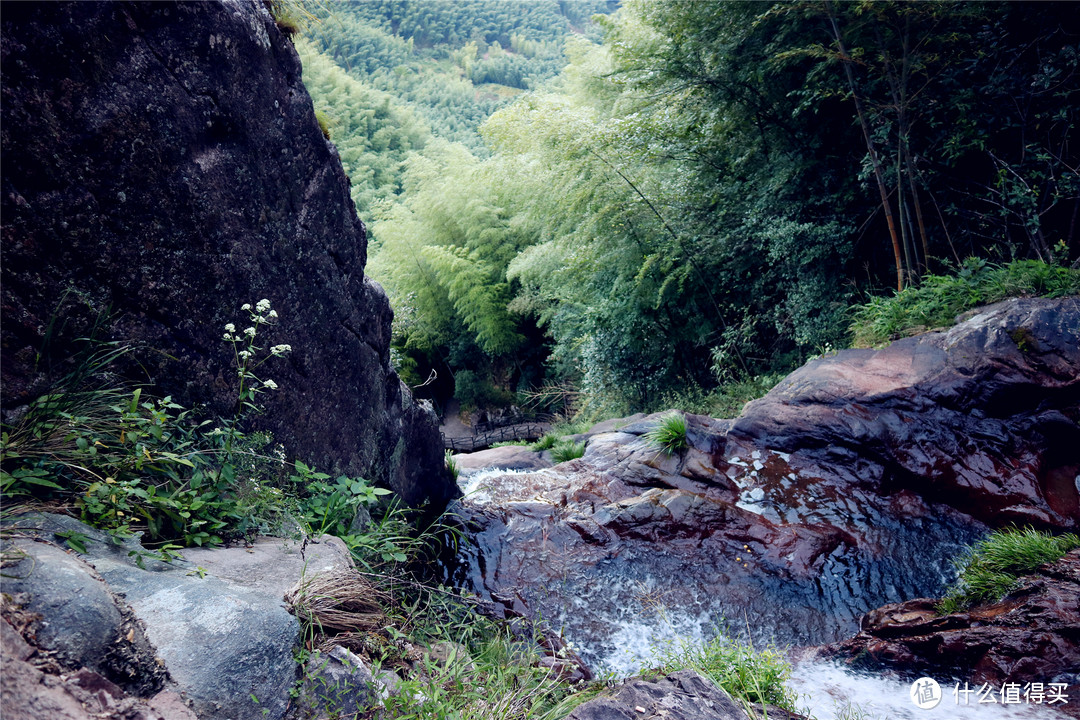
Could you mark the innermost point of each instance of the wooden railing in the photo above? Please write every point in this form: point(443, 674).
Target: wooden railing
point(487, 438)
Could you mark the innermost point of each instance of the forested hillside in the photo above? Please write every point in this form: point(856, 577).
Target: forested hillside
point(675, 195)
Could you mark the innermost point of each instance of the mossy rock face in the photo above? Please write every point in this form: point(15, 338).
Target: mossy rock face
point(1024, 339)
point(163, 165)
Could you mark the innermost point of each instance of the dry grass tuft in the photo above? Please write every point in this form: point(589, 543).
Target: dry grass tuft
point(342, 601)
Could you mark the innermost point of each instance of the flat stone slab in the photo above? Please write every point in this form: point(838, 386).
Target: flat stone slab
point(508, 457)
point(272, 566)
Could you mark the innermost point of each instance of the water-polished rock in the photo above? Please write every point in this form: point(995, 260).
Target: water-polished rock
point(508, 457)
point(983, 416)
point(1032, 635)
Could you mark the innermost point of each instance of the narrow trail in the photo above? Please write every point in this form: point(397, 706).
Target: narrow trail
point(452, 425)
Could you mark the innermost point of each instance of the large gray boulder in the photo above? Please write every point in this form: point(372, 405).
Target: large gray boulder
point(163, 166)
point(218, 625)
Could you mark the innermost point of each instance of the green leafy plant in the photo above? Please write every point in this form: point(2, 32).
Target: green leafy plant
point(329, 507)
point(991, 568)
point(123, 459)
point(669, 435)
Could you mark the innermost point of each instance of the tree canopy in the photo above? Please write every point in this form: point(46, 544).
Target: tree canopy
point(703, 189)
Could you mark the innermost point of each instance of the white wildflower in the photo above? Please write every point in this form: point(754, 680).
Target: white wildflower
point(250, 332)
point(245, 306)
point(273, 313)
point(227, 336)
point(270, 384)
point(280, 349)
point(262, 306)
point(244, 354)
point(230, 328)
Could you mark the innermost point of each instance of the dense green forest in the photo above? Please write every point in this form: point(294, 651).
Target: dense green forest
point(648, 201)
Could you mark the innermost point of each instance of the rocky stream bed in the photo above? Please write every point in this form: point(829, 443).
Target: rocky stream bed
point(849, 486)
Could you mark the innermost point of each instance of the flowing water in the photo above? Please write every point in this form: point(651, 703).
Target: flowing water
point(826, 690)
point(618, 605)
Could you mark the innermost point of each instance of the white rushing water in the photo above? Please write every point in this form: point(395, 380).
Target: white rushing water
point(828, 690)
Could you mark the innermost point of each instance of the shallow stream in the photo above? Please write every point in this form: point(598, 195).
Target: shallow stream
point(617, 602)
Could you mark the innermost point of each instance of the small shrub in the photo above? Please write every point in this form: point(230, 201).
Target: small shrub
point(990, 569)
point(669, 436)
point(567, 450)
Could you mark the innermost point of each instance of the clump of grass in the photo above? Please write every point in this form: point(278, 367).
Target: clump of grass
point(497, 678)
point(990, 569)
point(853, 711)
point(559, 431)
point(669, 436)
point(295, 16)
point(451, 465)
point(567, 450)
point(324, 122)
point(940, 298)
point(749, 676)
point(545, 443)
point(342, 601)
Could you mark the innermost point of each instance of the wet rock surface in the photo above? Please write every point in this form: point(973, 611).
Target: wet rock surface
point(778, 524)
point(163, 166)
point(683, 695)
point(1032, 635)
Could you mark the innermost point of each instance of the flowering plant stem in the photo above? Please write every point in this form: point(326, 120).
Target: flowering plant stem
point(246, 354)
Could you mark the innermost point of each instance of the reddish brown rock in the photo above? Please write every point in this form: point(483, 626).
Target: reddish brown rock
point(983, 416)
point(28, 693)
point(682, 695)
point(1032, 635)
